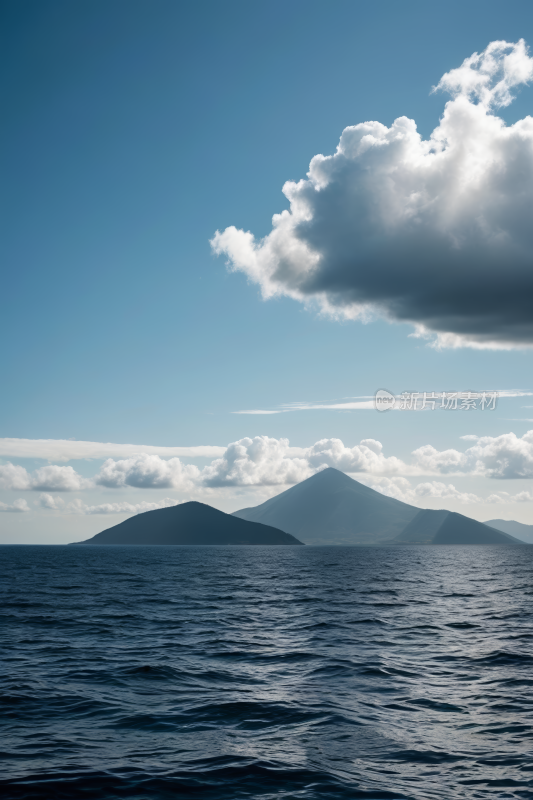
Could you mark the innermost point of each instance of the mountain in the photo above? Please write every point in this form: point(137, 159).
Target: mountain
point(331, 508)
point(518, 529)
point(190, 523)
point(447, 527)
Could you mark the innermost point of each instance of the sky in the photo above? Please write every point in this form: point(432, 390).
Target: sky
point(227, 225)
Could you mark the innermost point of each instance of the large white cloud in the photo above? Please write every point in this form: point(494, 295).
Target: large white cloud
point(147, 472)
point(435, 232)
point(259, 461)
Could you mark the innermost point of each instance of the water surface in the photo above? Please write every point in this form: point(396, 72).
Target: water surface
point(267, 672)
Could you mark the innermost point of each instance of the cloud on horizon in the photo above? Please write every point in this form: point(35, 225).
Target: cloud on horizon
point(264, 461)
point(436, 233)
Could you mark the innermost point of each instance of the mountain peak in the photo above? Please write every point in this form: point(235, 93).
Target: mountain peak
point(332, 508)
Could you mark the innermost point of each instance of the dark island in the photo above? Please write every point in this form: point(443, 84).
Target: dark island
point(190, 523)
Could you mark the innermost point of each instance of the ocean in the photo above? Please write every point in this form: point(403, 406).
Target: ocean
point(266, 672)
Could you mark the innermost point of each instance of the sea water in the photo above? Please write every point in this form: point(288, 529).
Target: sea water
point(266, 672)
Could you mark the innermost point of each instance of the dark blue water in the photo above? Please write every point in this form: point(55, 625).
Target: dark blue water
point(267, 672)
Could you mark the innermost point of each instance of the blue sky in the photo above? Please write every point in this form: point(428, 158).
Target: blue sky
point(132, 132)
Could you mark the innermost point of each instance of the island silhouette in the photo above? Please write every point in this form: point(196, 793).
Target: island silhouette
point(329, 508)
point(190, 523)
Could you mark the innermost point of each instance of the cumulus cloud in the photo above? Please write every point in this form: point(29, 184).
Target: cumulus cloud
point(263, 461)
point(436, 232)
point(268, 462)
point(504, 498)
point(18, 506)
point(258, 461)
point(69, 450)
point(52, 478)
point(58, 479)
point(145, 471)
point(15, 477)
point(401, 489)
point(506, 456)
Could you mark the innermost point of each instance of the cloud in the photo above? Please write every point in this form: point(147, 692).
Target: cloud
point(266, 461)
point(145, 471)
point(259, 461)
point(259, 411)
point(78, 507)
point(436, 232)
point(14, 477)
point(58, 479)
point(401, 489)
point(504, 498)
point(263, 461)
point(51, 478)
point(507, 456)
point(18, 506)
point(367, 402)
point(48, 501)
point(67, 450)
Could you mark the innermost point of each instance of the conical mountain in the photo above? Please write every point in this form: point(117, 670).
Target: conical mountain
point(190, 523)
point(332, 508)
point(448, 527)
